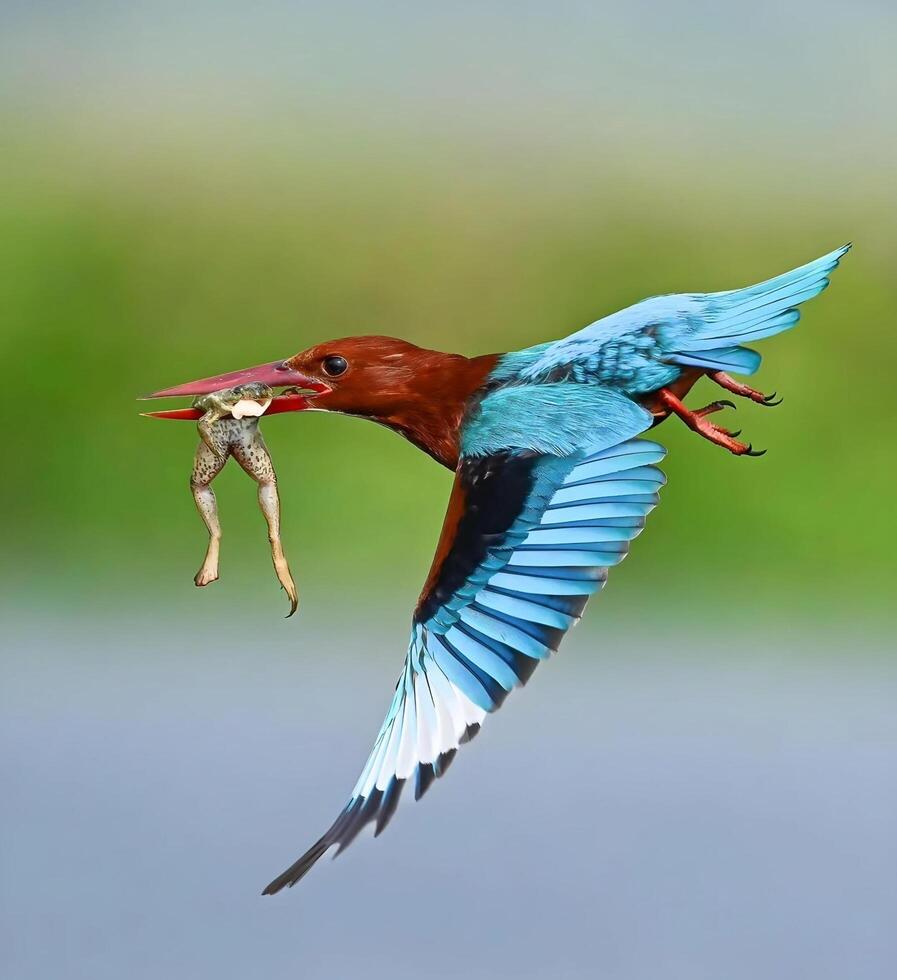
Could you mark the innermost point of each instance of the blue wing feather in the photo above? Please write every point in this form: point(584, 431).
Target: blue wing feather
point(510, 613)
point(737, 360)
point(641, 348)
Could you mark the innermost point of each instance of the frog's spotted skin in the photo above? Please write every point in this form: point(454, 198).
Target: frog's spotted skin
point(236, 404)
point(223, 437)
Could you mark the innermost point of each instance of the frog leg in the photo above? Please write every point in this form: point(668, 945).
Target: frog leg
point(207, 464)
point(252, 454)
point(215, 436)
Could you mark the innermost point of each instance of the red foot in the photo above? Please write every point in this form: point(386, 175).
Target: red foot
point(697, 422)
point(713, 407)
point(745, 391)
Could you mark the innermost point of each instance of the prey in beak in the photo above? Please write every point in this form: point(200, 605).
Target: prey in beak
point(228, 425)
point(296, 395)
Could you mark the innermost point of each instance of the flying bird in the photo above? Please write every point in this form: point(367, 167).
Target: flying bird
point(552, 482)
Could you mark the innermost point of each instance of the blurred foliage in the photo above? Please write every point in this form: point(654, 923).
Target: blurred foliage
point(132, 264)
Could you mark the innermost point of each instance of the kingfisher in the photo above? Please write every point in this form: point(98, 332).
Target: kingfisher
point(553, 479)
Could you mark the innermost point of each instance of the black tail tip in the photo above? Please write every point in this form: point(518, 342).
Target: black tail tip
point(275, 886)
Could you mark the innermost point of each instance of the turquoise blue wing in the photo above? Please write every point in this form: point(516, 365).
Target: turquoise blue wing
point(644, 347)
point(528, 538)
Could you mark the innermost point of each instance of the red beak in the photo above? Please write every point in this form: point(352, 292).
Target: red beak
point(276, 375)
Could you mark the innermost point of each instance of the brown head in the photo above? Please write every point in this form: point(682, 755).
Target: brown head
point(420, 393)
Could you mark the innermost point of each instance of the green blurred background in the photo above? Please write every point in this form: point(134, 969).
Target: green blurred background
point(136, 259)
point(162, 221)
point(194, 188)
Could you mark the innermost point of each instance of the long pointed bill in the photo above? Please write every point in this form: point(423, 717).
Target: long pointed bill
point(275, 375)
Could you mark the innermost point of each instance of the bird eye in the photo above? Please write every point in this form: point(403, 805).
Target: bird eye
point(334, 365)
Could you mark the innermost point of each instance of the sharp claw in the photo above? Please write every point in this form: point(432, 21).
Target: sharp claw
point(737, 432)
point(754, 452)
point(770, 400)
point(713, 407)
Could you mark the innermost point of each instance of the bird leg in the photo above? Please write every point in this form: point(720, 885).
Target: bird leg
point(745, 391)
point(697, 422)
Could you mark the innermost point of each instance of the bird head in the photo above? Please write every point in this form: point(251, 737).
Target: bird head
point(420, 393)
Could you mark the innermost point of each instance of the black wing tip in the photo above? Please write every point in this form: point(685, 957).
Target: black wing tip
point(388, 804)
point(299, 869)
point(470, 733)
point(441, 765)
point(342, 831)
point(380, 806)
point(425, 775)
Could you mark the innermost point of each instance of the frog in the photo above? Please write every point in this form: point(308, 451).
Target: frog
point(229, 426)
